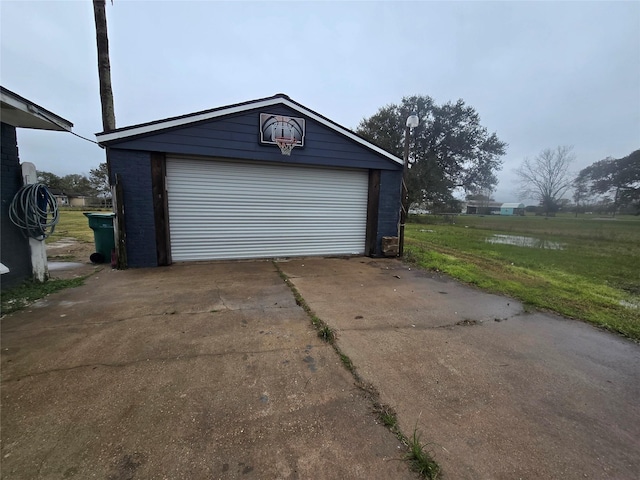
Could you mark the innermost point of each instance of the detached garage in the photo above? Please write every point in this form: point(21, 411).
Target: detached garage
point(262, 179)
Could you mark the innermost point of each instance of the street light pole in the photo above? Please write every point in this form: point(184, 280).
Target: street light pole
point(412, 122)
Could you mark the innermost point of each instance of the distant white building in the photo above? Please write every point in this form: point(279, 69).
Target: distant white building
point(512, 209)
point(483, 207)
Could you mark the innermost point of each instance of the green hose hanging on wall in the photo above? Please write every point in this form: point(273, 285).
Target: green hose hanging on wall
point(35, 211)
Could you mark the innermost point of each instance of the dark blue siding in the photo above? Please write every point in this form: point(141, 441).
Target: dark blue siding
point(135, 174)
point(389, 206)
point(16, 254)
point(237, 136)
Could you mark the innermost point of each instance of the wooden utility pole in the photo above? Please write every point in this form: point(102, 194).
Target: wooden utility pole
point(109, 124)
point(104, 66)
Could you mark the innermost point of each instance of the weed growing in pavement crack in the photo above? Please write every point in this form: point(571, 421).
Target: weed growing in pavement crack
point(346, 361)
point(387, 417)
point(419, 458)
point(325, 332)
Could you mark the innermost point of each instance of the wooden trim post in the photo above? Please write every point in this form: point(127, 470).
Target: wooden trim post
point(373, 205)
point(117, 196)
point(160, 208)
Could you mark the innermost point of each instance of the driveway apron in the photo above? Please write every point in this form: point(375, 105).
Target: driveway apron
point(187, 372)
point(496, 392)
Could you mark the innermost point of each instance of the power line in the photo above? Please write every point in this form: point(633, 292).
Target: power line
point(74, 133)
point(84, 138)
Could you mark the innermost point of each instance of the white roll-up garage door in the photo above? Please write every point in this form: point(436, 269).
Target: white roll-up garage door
point(222, 209)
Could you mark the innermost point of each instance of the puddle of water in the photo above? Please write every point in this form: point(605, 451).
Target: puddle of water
point(62, 265)
point(60, 244)
point(520, 241)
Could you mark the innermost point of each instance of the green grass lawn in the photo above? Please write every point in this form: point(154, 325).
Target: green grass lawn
point(593, 275)
point(73, 224)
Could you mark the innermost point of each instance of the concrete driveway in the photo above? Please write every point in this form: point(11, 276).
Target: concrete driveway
point(500, 393)
point(188, 372)
point(212, 371)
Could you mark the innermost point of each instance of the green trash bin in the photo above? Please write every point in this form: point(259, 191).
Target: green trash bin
point(102, 226)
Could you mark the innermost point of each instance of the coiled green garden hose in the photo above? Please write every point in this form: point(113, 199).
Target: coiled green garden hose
point(34, 210)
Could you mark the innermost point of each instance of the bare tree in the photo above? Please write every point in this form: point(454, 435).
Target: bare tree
point(546, 178)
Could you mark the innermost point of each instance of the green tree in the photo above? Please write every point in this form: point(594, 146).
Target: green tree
point(76, 184)
point(51, 180)
point(619, 178)
point(99, 180)
point(479, 198)
point(449, 148)
point(546, 178)
point(73, 184)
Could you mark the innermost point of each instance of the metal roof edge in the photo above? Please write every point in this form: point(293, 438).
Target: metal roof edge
point(17, 101)
point(151, 127)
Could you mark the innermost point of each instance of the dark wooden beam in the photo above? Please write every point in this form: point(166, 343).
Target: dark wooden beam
point(160, 207)
point(373, 203)
point(117, 197)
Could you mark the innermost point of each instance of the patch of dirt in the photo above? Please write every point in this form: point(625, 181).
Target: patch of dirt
point(466, 323)
point(72, 250)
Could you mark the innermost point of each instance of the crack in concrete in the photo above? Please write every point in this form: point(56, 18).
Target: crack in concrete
point(460, 323)
point(145, 360)
point(222, 300)
point(135, 317)
point(465, 322)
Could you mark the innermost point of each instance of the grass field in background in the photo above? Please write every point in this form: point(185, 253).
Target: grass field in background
point(73, 224)
point(594, 275)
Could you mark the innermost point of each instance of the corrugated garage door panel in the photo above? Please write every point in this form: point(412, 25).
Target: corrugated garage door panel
point(223, 209)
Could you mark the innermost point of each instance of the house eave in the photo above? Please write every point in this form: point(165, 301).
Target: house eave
point(20, 112)
point(104, 138)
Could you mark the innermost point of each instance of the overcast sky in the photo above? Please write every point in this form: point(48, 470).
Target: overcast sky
point(540, 74)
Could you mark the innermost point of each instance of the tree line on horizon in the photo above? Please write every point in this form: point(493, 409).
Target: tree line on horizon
point(94, 185)
point(451, 152)
point(612, 184)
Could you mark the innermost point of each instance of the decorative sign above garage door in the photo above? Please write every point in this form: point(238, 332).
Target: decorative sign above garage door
point(285, 132)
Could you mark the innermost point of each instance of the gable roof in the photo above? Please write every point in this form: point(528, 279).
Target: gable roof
point(278, 99)
point(20, 112)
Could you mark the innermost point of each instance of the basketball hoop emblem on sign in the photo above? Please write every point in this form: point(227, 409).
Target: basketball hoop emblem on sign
point(285, 132)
